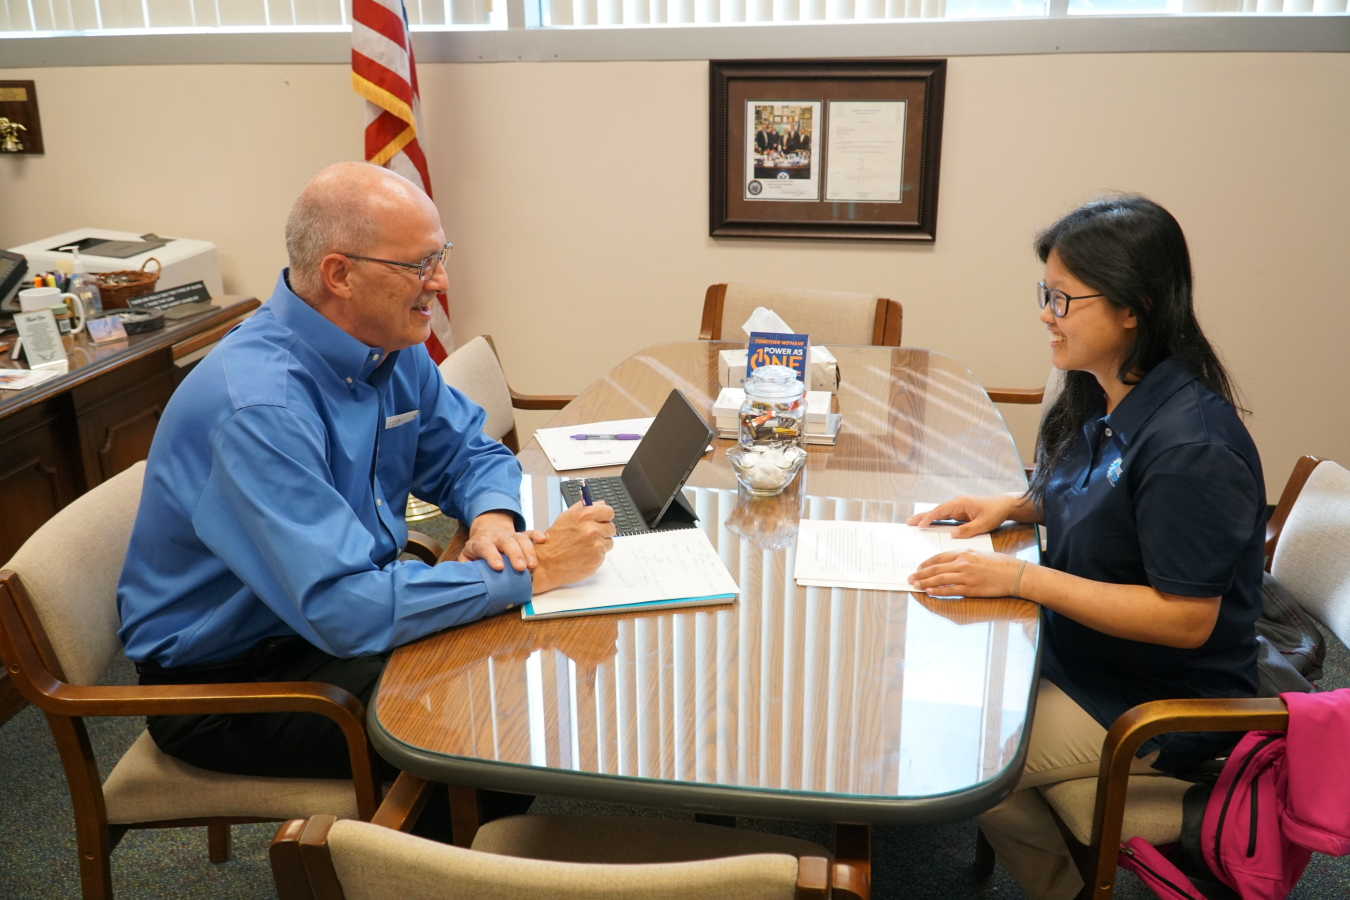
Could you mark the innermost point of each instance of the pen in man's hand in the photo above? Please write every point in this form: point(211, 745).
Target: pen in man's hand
point(585, 492)
point(606, 437)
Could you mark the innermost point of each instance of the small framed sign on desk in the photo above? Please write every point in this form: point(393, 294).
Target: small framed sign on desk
point(826, 148)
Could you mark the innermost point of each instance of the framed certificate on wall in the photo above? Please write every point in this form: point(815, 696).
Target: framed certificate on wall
point(826, 148)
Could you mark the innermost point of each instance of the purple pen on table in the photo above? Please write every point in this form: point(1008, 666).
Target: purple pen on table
point(606, 437)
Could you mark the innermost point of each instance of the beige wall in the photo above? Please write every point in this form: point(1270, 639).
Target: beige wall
point(577, 193)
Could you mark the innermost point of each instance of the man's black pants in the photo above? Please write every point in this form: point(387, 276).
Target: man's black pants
point(288, 745)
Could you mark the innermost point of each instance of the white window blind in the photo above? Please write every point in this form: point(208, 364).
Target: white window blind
point(57, 16)
point(610, 13)
point(114, 15)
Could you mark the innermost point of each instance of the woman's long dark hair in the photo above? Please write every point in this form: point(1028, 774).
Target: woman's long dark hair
point(1132, 250)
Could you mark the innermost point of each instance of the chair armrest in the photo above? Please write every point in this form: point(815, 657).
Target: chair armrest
point(1016, 395)
point(288, 869)
point(848, 883)
point(540, 401)
point(424, 547)
point(402, 807)
point(1149, 720)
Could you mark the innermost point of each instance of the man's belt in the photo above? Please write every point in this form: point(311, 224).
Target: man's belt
point(252, 665)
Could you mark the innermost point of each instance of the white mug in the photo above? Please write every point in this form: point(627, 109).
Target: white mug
point(37, 299)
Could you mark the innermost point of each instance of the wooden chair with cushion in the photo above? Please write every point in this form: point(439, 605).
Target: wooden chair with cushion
point(58, 634)
point(829, 317)
point(476, 372)
point(1305, 547)
point(564, 857)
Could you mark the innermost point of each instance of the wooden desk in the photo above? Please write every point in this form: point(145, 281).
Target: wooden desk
point(804, 703)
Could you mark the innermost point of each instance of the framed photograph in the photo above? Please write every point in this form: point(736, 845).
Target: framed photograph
point(826, 148)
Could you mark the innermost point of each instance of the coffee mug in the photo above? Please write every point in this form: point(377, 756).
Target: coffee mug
point(37, 299)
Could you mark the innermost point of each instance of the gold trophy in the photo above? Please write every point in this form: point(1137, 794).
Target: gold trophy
point(9, 136)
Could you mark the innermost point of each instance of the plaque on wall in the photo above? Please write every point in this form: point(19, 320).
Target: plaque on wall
point(826, 148)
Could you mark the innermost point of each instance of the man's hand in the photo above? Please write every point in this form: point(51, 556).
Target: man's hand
point(575, 547)
point(493, 534)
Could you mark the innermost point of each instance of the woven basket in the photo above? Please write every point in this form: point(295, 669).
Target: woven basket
point(130, 283)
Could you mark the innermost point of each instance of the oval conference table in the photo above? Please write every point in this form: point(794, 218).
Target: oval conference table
point(851, 707)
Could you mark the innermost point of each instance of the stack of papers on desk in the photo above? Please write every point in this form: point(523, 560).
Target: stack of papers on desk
point(658, 570)
point(565, 453)
point(874, 556)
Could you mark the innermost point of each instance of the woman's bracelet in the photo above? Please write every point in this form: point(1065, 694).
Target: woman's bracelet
point(1017, 585)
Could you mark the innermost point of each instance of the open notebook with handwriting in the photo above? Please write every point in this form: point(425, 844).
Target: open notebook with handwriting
point(656, 570)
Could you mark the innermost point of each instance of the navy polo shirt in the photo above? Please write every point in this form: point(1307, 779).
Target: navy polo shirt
point(1165, 491)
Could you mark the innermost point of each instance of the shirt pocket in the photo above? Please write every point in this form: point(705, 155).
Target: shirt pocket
point(397, 454)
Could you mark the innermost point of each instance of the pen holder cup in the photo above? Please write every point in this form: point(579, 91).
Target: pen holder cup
point(766, 471)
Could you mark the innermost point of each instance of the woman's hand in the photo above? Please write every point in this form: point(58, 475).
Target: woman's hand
point(968, 573)
point(980, 514)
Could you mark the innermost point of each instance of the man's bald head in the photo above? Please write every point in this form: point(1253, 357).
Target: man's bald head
point(340, 211)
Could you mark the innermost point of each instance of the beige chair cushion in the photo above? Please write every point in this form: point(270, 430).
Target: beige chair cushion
point(829, 317)
point(1152, 807)
point(149, 786)
point(1312, 557)
point(70, 567)
point(376, 863)
point(474, 371)
point(623, 839)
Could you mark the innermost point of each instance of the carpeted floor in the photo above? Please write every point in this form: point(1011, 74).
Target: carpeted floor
point(37, 837)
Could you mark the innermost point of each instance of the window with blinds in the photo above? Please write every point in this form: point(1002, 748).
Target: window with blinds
point(114, 15)
point(56, 16)
point(610, 13)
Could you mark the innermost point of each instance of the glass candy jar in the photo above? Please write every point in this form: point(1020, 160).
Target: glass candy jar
point(772, 419)
point(774, 408)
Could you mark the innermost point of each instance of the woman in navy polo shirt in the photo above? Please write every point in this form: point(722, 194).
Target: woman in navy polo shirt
point(1154, 504)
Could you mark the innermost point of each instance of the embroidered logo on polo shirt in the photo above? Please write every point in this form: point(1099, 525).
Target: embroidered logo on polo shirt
point(1113, 471)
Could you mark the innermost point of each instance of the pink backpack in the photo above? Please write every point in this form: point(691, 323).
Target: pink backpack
point(1251, 839)
point(1242, 837)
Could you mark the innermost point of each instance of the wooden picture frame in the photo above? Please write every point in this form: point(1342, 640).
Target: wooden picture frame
point(840, 148)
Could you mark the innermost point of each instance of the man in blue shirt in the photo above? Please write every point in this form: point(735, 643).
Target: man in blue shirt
point(267, 541)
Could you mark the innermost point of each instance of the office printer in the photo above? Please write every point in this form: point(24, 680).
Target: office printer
point(104, 250)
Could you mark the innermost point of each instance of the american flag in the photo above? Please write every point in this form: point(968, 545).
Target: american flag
point(384, 73)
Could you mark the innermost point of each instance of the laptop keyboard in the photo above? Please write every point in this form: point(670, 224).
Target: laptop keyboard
point(627, 519)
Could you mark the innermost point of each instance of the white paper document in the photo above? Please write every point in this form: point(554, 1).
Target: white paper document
point(678, 567)
point(565, 453)
point(878, 556)
point(18, 379)
point(867, 151)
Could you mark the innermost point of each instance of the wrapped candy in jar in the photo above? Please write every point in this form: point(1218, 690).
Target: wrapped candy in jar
point(774, 410)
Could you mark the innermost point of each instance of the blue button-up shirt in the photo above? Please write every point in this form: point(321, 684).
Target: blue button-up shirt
point(1165, 491)
point(275, 493)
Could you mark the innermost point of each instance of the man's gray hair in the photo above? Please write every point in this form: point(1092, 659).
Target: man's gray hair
point(329, 216)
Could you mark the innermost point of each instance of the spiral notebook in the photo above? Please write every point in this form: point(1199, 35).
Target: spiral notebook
point(659, 569)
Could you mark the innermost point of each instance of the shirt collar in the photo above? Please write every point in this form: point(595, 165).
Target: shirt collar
point(1139, 405)
point(351, 359)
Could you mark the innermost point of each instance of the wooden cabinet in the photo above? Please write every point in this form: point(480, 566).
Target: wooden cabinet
point(67, 435)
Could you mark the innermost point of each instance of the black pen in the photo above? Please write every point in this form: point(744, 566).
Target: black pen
point(585, 492)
